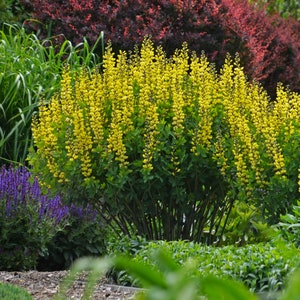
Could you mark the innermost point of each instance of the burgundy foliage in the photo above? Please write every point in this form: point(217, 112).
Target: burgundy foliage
point(272, 43)
point(268, 45)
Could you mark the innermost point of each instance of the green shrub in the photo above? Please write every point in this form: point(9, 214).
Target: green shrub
point(11, 292)
point(165, 147)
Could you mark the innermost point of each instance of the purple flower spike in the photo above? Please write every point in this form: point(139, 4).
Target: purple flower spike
point(20, 192)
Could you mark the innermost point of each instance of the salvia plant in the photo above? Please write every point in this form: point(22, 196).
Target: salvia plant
point(28, 219)
point(40, 231)
point(166, 146)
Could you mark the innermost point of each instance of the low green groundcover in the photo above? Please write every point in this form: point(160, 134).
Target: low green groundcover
point(12, 292)
point(262, 267)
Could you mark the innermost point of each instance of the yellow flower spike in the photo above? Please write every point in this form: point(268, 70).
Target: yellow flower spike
point(219, 154)
point(80, 142)
point(45, 133)
point(115, 140)
point(204, 98)
point(118, 81)
point(299, 179)
point(66, 94)
point(245, 108)
point(150, 77)
point(96, 109)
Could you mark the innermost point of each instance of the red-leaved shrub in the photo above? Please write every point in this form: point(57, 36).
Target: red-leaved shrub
point(272, 43)
point(269, 46)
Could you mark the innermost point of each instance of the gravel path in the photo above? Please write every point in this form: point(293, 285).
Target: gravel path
point(44, 285)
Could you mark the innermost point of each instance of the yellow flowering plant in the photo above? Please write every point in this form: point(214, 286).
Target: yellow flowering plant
point(165, 146)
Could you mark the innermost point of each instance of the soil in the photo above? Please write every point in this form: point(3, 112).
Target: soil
point(44, 285)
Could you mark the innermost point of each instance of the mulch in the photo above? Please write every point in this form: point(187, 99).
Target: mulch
point(44, 285)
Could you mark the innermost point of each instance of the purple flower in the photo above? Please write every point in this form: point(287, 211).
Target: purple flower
point(83, 213)
point(21, 193)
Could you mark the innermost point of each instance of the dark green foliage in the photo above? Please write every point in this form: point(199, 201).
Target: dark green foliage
point(286, 8)
point(124, 246)
point(11, 292)
point(11, 11)
point(84, 235)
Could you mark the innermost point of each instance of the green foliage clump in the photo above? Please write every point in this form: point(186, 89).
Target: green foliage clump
point(125, 245)
point(129, 246)
point(169, 282)
point(260, 267)
point(12, 12)
point(286, 8)
point(245, 225)
point(11, 292)
point(85, 234)
point(289, 226)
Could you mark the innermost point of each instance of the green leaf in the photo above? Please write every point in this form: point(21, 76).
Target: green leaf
point(164, 260)
point(293, 289)
point(217, 289)
point(145, 273)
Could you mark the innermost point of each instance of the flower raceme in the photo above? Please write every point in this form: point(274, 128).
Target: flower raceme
point(17, 191)
point(146, 113)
